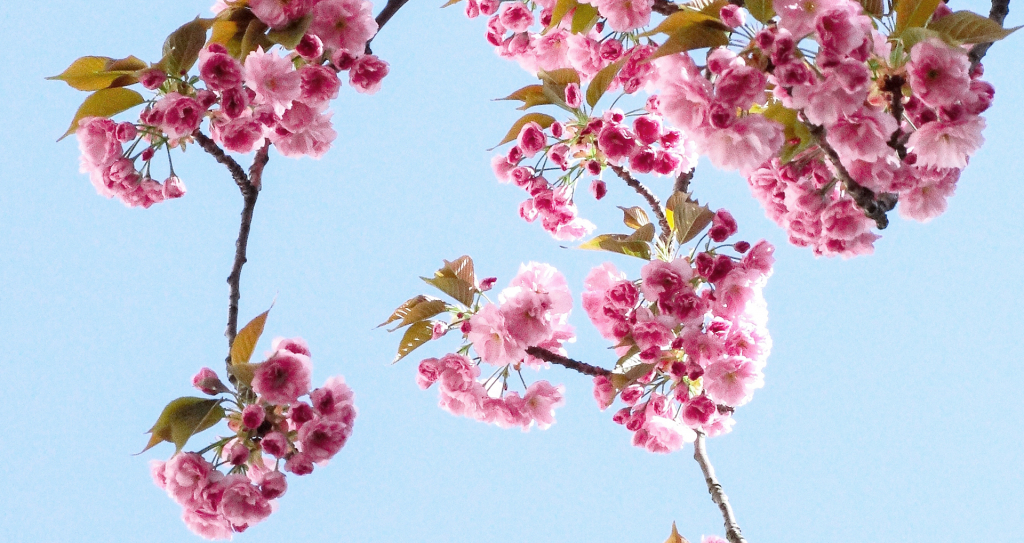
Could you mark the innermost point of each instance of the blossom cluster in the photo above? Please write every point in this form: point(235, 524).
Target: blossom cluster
point(251, 98)
point(692, 335)
point(274, 432)
point(831, 120)
point(532, 312)
point(585, 146)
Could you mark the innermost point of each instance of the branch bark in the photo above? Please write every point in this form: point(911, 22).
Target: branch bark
point(732, 528)
point(555, 358)
point(249, 185)
point(385, 15)
point(652, 200)
point(875, 207)
point(1000, 9)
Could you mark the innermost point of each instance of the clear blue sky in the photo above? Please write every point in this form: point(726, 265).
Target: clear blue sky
point(892, 410)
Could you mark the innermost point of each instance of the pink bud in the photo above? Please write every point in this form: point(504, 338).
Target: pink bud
point(437, 330)
point(173, 187)
point(573, 96)
point(488, 284)
point(152, 78)
point(310, 47)
point(237, 454)
point(598, 189)
point(147, 155)
point(299, 464)
point(275, 444)
point(208, 382)
point(273, 485)
point(741, 247)
point(732, 16)
point(252, 416)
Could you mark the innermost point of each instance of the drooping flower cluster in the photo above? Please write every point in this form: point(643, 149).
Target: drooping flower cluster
point(274, 432)
point(692, 338)
point(848, 121)
point(532, 313)
point(252, 98)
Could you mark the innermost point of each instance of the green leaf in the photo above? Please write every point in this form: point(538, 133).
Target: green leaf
point(96, 73)
point(681, 19)
point(696, 36)
point(618, 243)
point(246, 339)
point(584, 18)
point(602, 80)
point(913, 13)
point(416, 335)
point(798, 137)
point(244, 372)
point(968, 27)
point(290, 36)
point(634, 217)
point(253, 38)
point(104, 103)
point(530, 95)
point(762, 10)
point(623, 380)
point(689, 218)
point(456, 279)
point(913, 36)
point(182, 47)
point(540, 118)
point(874, 8)
point(561, 9)
point(183, 418)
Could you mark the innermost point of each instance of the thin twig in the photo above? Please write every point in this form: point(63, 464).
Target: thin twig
point(652, 200)
point(875, 208)
point(555, 358)
point(683, 181)
point(249, 185)
point(1000, 9)
point(893, 84)
point(732, 528)
point(385, 15)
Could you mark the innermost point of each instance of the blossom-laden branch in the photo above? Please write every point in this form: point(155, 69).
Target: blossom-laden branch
point(732, 528)
point(575, 365)
point(652, 200)
point(874, 207)
point(1000, 9)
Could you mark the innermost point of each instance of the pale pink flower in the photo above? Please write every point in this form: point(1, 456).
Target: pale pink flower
point(540, 402)
point(663, 279)
point(531, 139)
point(318, 85)
point(334, 400)
point(280, 13)
point(744, 145)
point(666, 435)
point(799, 16)
point(206, 524)
point(740, 86)
point(604, 391)
point(303, 131)
point(344, 24)
point(174, 187)
point(864, 135)
point(625, 15)
point(732, 16)
point(938, 73)
point(947, 144)
point(178, 115)
point(516, 17)
point(732, 381)
point(241, 503)
point(273, 485)
point(299, 464)
point(282, 378)
point(551, 51)
point(928, 200)
point(187, 475)
point(273, 79)
point(366, 74)
point(827, 99)
point(242, 135)
point(428, 372)
point(652, 331)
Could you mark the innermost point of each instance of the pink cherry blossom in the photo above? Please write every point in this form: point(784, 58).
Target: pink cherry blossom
point(344, 24)
point(273, 79)
point(282, 378)
point(366, 74)
point(732, 381)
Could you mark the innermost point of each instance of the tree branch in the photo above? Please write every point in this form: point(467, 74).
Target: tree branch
point(652, 200)
point(874, 208)
point(732, 528)
point(683, 181)
point(1000, 9)
point(385, 15)
point(211, 147)
point(555, 358)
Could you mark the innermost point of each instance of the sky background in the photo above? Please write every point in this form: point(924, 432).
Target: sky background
point(892, 410)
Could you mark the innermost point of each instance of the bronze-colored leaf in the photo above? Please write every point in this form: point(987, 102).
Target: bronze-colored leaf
point(695, 36)
point(450, 3)
point(246, 339)
point(416, 335)
point(560, 77)
point(530, 95)
point(618, 243)
point(244, 372)
point(421, 312)
point(584, 18)
point(183, 418)
point(290, 36)
point(681, 19)
point(404, 309)
point(634, 217)
point(874, 8)
point(456, 279)
point(623, 380)
point(561, 9)
point(674, 537)
point(253, 38)
point(689, 217)
point(644, 233)
point(602, 80)
point(913, 13)
point(762, 10)
point(540, 118)
point(968, 27)
point(104, 103)
point(129, 63)
point(181, 48)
